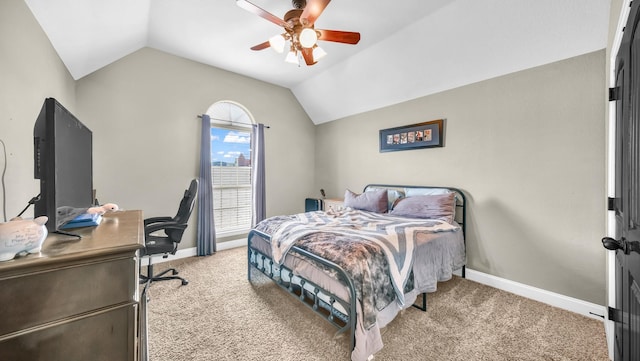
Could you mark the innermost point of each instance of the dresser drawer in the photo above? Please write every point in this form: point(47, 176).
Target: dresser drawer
point(108, 335)
point(33, 299)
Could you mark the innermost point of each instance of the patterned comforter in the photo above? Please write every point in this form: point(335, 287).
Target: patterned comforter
point(375, 250)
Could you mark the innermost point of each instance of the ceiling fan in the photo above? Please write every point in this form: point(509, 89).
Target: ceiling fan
point(298, 25)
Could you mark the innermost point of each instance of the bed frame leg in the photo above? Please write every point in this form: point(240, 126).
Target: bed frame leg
point(249, 264)
point(422, 307)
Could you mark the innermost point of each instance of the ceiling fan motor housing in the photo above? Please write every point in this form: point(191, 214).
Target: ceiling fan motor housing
point(293, 18)
point(300, 31)
point(299, 4)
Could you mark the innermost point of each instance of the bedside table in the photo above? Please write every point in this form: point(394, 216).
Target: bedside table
point(335, 204)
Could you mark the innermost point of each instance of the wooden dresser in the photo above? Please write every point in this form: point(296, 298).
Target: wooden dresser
point(78, 299)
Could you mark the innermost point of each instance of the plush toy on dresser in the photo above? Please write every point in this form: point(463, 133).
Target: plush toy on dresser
point(27, 235)
point(22, 235)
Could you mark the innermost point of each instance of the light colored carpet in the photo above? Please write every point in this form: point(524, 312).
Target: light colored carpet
point(221, 316)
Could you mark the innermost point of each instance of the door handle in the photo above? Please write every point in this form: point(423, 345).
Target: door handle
point(626, 246)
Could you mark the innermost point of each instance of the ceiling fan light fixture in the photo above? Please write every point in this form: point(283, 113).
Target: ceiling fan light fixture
point(308, 38)
point(318, 53)
point(292, 57)
point(277, 43)
point(299, 31)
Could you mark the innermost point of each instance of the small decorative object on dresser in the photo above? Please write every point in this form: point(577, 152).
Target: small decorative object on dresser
point(22, 235)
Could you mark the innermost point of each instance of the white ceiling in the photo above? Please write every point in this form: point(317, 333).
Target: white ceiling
point(408, 48)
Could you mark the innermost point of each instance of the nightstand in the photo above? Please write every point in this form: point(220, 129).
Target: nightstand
point(335, 204)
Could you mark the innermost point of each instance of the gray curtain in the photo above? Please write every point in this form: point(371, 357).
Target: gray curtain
point(258, 197)
point(206, 241)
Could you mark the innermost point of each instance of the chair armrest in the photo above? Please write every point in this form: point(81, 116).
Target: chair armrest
point(156, 220)
point(164, 225)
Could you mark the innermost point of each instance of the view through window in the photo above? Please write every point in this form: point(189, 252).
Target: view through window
point(231, 176)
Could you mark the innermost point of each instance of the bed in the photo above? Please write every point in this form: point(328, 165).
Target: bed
point(359, 266)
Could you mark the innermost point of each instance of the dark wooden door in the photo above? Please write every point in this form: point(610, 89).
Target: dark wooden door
point(626, 203)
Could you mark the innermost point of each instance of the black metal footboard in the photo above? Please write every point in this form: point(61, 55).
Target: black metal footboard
point(309, 293)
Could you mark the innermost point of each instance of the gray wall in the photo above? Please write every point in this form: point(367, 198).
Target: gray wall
point(529, 150)
point(30, 71)
point(142, 110)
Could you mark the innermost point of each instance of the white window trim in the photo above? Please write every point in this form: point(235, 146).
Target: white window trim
point(242, 120)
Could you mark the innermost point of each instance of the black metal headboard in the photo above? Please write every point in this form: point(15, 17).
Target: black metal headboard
point(461, 201)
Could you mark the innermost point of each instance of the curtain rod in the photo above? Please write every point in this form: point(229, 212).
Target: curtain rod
point(229, 121)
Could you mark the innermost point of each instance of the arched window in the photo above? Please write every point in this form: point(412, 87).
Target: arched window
point(231, 167)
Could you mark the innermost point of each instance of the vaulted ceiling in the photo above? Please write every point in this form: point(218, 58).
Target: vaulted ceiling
point(408, 48)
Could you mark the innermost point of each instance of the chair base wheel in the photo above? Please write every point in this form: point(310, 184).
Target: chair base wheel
point(161, 277)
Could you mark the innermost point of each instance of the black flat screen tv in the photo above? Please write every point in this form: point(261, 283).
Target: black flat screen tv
point(63, 162)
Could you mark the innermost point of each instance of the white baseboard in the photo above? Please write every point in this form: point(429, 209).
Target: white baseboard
point(182, 253)
point(193, 251)
point(232, 244)
point(584, 308)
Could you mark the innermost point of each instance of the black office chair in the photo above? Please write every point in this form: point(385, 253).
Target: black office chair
point(163, 234)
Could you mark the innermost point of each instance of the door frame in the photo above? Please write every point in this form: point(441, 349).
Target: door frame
point(611, 165)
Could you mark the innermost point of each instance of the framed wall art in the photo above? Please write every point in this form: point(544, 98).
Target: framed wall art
point(414, 136)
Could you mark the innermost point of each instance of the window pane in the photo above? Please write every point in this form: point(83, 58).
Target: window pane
point(231, 174)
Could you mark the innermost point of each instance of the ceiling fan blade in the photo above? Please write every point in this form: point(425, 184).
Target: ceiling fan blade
point(262, 13)
point(312, 11)
point(261, 46)
point(307, 54)
point(347, 37)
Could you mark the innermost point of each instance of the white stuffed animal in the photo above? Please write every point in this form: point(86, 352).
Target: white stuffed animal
point(22, 235)
point(107, 207)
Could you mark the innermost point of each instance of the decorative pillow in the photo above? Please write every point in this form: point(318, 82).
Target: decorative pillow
point(436, 206)
point(392, 194)
point(412, 192)
point(372, 201)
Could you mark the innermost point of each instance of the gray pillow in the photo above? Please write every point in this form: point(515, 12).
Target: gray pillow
point(372, 201)
point(436, 206)
point(392, 194)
